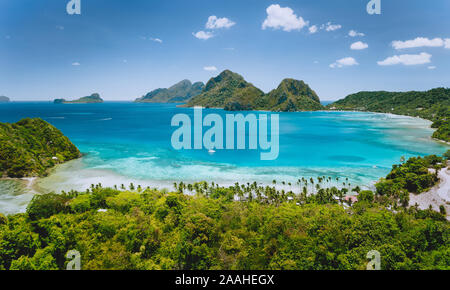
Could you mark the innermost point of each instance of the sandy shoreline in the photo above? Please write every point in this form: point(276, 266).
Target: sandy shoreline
point(437, 196)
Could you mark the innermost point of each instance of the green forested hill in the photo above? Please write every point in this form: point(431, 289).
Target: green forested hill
point(290, 96)
point(178, 93)
point(31, 146)
point(230, 91)
point(433, 105)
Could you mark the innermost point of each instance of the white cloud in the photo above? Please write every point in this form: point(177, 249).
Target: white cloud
point(346, 61)
point(354, 33)
point(76, 63)
point(431, 67)
point(210, 68)
point(407, 59)
point(359, 45)
point(283, 18)
point(313, 29)
point(216, 23)
point(156, 40)
point(418, 42)
point(447, 43)
point(203, 35)
point(60, 27)
point(330, 27)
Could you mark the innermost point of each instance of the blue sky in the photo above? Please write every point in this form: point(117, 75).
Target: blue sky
point(123, 49)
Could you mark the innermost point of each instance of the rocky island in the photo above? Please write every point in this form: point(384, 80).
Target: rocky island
point(178, 93)
point(92, 99)
point(4, 99)
point(230, 91)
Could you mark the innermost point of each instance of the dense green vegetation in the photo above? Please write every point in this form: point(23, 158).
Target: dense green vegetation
point(151, 229)
point(31, 146)
point(416, 176)
point(230, 91)
point(4, 99)
point(433, 105)
point(94, 98)
point(178, 93)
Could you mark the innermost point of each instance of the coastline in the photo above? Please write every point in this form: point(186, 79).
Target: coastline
point(29, 181)
point(437, 196)
point(81, 177)
point(73, 175)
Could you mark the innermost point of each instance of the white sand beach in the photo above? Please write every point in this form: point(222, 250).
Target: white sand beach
point(437, 196)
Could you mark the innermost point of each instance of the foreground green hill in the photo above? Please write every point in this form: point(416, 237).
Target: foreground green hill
point(32, 146)
point(94, 98)
point(178, 93)
point(230, 91)
point(433, 105)
point(151, 229)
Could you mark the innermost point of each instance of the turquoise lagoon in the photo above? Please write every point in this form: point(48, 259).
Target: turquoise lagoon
point(125, 142)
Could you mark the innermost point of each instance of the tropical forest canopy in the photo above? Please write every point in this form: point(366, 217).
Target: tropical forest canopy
point(31, 146)
point(146, 229)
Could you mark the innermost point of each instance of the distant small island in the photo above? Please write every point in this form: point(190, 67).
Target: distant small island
point(4, 99)
point(92, 99)
point(178, 93)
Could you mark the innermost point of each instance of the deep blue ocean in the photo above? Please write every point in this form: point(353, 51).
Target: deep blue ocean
point(125, 142)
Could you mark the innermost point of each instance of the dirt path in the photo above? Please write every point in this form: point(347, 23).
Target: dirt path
point(437, 196)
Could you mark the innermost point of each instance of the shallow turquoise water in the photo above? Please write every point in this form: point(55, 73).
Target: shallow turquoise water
point(126, 141)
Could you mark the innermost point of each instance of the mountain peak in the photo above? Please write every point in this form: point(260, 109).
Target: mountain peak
point(297, 88)
point(229, 90)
